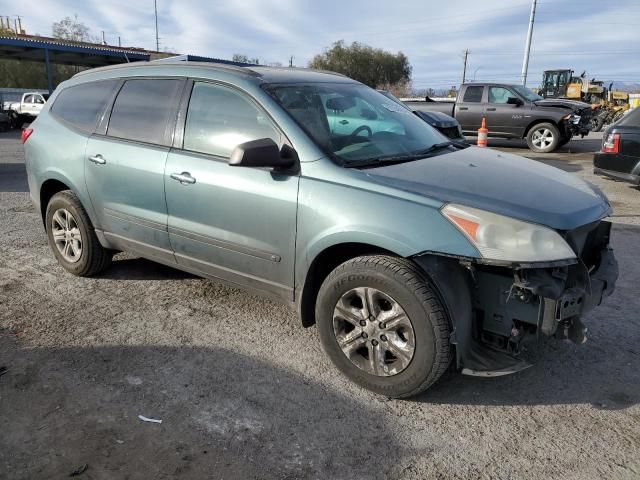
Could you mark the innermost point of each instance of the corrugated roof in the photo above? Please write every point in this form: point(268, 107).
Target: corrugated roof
point(70, 43)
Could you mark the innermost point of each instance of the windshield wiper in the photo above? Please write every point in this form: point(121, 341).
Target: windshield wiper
point(385, 160)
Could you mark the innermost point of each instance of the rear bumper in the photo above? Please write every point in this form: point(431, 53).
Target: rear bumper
point(621, 176)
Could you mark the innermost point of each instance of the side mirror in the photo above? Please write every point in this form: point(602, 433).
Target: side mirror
point(262, 153)
point(514, 101)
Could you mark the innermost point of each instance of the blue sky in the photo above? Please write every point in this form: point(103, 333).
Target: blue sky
point(599, 36)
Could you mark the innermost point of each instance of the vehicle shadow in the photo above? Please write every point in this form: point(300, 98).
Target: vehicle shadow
point(125, 267)
point(561, 164)
point(13, 177)
point(221, 412)
point(603, 372)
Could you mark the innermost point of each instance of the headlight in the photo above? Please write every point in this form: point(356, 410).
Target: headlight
point(506, 239)
point(572, 118)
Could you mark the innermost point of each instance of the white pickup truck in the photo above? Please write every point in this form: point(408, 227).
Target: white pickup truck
point(30, 105)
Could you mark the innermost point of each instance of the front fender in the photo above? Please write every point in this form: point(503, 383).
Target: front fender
point(331, 213)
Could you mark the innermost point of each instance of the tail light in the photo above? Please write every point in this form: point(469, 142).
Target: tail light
point(26, 133)
point(611, 143)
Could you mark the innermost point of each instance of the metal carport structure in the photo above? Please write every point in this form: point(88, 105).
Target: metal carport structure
point(53, 50)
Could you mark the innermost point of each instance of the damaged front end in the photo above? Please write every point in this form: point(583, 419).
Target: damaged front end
point(500, 311)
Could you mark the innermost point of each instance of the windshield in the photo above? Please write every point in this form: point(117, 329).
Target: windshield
point(354, 123)
point(526, 93)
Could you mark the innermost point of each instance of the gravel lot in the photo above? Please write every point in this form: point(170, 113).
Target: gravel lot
point(245, 392)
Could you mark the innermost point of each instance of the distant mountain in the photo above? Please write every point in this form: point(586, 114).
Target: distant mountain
point(626, 87)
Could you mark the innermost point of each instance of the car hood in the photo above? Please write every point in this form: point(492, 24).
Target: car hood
point(499, 182)
point(574, 105)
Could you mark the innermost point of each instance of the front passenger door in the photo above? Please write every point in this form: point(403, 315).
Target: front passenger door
point(506, 118)
point(237, 224)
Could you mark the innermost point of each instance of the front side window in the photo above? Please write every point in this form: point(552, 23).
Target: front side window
point(499, 95)
point(38, 99)
point(82, 105)
point(144, 110)
point(220, 118)
point(354, 123)
point(527, 94)
point(473, 95)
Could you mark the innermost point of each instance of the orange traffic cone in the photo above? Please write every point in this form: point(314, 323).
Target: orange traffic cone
point(482, 134)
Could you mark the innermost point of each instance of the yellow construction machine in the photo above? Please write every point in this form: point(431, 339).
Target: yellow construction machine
point(563, 84)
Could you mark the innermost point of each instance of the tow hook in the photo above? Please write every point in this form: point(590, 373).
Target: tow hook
point(573, 329)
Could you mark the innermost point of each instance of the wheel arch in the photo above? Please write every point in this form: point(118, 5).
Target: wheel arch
point(55, 181)
point(322, 265)
point(538, 121)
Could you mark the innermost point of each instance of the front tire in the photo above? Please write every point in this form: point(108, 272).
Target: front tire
point(72, 237)
point(543, 138)
point(383, 325)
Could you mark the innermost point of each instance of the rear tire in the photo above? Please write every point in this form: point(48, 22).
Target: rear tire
point(399, 358)
point(72, 237)
point(543, 138)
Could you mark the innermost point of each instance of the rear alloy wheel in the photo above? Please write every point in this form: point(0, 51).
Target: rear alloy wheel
point(383, 325)
point(72, 237)
point(543, 138)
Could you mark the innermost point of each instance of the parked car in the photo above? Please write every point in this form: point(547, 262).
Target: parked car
point(29, 107)
point(406, 249)
point(445, 124)
point(5, 122)
point(619, 157)
point(514, 111)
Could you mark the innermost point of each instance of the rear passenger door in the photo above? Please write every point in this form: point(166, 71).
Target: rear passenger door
point(237, 224)
point(470, 110)
point(125, 162)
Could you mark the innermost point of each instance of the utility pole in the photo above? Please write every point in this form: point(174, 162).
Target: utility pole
point(155, 9)
point(464, 70)
point(527, 47)
point(291, 61)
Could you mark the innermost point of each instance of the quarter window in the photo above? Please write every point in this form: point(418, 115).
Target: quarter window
point(473, 95)
point(144, 110)
point(82, 105)
point(220, 118)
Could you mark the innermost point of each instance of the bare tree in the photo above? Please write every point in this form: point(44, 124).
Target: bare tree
point(73, 29)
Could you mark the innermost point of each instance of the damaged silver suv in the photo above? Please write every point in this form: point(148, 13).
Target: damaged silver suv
point(408, 251)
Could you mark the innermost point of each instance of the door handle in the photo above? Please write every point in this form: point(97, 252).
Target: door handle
point(344, 122)
point(463, 108)
point(491, 109)
point(97, 159)
point(184, 178)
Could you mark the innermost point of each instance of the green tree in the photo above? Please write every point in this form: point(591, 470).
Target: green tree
point(372, 66)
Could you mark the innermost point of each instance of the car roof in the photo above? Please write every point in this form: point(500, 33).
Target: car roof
point(265, 74)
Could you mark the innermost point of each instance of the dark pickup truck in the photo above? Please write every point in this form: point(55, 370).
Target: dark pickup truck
point(514, 111)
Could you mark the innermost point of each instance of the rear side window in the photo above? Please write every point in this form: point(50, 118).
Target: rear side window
point(82, 105)
point(220, 118)
point(144, 110)
point(473, 95)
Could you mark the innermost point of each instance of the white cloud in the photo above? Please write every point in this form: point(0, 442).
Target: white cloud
point(432, 35)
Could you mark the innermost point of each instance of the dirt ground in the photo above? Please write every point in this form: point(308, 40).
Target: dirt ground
point(244, 392)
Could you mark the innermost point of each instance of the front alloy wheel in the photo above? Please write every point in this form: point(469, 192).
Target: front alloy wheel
point(543, 138)
point(373, 331)
point(382, 324)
